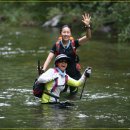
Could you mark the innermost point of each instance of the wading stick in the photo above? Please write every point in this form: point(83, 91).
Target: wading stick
point(83, 88)
point(38, 67)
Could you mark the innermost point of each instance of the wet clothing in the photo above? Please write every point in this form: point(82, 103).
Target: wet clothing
point(55, 81)
point(68, 50)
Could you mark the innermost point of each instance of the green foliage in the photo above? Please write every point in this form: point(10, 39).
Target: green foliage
point(124, 34)
point(121, 16)
point(72, 16)
point(53, 11)
point(113, 14)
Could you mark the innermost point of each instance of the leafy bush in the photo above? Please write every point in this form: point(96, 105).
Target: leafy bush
point(116, 15)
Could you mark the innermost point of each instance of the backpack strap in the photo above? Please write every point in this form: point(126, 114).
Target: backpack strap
point(49, 94)
point(55, 85)
point(66, 79)
point(57, 47)
point(56, 81)
point(73, 46)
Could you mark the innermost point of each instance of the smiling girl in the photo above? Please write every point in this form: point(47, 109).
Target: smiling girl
point(56, 78)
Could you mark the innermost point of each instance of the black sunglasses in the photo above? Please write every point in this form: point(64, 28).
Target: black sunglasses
point(63, 60)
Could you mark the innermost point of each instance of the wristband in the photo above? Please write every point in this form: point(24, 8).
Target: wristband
point(88, 26)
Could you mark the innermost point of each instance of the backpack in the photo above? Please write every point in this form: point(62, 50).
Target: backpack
point(72, 44)
point(78, 66)
point(39, 88)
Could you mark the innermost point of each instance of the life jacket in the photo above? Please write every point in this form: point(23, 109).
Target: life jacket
point(39, 88)
point(72, 44)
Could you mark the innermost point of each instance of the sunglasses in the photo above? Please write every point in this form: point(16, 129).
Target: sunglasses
point(65, 61)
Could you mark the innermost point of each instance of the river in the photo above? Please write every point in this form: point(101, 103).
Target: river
point(105, 101)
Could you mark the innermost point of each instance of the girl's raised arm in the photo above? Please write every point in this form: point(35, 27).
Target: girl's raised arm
point(86, 20)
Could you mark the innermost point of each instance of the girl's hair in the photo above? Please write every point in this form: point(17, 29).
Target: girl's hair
point(64, 27)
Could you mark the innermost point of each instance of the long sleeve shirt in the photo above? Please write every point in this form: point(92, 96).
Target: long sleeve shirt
point(55, 83)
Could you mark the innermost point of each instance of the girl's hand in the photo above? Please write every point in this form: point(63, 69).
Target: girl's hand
point(86, 19)
point(87, 72)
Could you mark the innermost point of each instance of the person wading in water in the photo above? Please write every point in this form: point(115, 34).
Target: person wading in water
point(55, 79)
point(67, 45)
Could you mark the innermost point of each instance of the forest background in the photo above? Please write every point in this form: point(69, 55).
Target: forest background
point(111, 18)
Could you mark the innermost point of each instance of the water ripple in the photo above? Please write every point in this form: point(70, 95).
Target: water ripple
point(82, 116)
point(7, 50)
point(105, 95)
point(2, 117)
point(20, 90)
point(4, 104)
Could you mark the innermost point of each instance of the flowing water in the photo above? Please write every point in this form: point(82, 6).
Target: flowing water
point(105, 101)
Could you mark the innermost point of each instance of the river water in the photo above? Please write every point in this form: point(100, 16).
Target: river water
point(105, 101)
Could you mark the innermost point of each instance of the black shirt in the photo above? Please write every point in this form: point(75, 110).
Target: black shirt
point(69, 51)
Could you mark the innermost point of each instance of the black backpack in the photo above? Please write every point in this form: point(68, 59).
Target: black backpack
point(38, 89)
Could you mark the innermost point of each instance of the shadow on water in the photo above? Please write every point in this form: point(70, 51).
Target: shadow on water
point(105, 100)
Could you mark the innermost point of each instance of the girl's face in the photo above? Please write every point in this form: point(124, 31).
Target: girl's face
point(66, 33)
point(62, 64)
